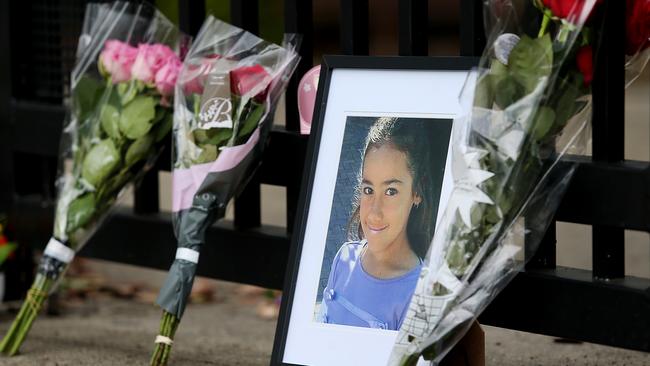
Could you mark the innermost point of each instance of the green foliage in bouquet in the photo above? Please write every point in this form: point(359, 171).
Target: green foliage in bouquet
point(209, 141)
point(110, 153)
point(532, 91)
point(529, 68)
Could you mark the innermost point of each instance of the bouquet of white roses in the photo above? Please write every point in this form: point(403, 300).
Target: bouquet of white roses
point(121, 92)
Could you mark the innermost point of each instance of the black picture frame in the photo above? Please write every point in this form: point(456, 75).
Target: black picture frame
point(328, 65)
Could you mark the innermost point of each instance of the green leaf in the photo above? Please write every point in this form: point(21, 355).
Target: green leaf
point(251, 121)
point(110, 118)
point(200, 136)
point(86, 95)
point(508, 91)
point(208, 154)
point(138, 150)
point(196, 106)
point(100, 162)
point(113, 185)
point(497, 69)
point(439, 289)
point(216, 136)
point(162, 129)
point(484, 96)
point(161, 112)
point(491, 215)
point(565, 102)
point(136, 117)
point(505, 202)
point(456, 258)
point(80, 212)
point(476, 213)
point(530, 60)
point(543, 122)
point(127, 91)
point(212, 136)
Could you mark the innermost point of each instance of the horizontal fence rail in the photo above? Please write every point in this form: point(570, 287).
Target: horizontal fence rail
point(621, 198)
point(570, 303)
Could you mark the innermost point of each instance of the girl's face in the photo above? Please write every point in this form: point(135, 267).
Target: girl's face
point(386, 197)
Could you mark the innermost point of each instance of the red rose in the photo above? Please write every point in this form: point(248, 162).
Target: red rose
point(637, 26)
point(584, 59)
point(565, 9)
point(3, 240)
point(245, 79)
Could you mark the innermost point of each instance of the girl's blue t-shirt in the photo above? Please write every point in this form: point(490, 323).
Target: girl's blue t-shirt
point(353, 297)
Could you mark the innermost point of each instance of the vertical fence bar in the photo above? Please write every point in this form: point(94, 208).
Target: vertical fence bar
point(248, 210)
point(245, 14)
point(546, 255)
point(298, 18)
point(6, 158)
point(145, 196)
point(608, 129)
point(472, 36)
point(248, 204)
point(413, 28)
point(354, 27)
point(191, 14)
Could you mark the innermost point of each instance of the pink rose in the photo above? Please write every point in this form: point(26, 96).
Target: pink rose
point(167, 75)
point(117, 60)
point(149, 60)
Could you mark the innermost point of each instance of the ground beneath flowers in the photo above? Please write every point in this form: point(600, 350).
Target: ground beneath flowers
point(234, 330)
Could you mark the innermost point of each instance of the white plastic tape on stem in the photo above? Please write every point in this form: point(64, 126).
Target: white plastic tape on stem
point(58, 251)
point(187, 254)
point(165, 340)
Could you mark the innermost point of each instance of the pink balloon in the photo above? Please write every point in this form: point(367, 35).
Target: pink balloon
point(307, 98)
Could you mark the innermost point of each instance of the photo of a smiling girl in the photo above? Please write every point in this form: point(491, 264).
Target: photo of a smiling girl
point(391, 222)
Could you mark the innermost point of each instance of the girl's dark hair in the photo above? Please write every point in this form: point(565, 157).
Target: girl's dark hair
point(409, 137)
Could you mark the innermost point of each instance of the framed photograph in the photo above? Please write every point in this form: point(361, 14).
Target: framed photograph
point(376, 181)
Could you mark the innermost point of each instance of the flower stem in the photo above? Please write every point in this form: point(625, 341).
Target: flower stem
point(565, 29)
point(586, 36)
point(168, 325)
point(32, 305)
point(545, 21)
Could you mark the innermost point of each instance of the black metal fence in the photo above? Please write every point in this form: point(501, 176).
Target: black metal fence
point(608, 192)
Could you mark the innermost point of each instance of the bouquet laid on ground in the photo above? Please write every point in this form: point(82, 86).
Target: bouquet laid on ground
point(120, 112)
point(527, 105)
point(224, 108)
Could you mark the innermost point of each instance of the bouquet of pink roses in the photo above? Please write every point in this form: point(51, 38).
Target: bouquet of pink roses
point(120, 113)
